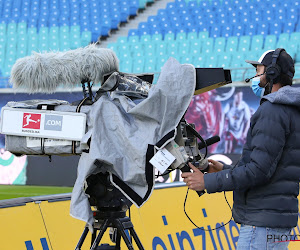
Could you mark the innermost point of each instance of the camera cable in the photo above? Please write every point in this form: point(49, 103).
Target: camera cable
point(184, 204)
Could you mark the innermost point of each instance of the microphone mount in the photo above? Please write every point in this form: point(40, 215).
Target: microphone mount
point(248, 79)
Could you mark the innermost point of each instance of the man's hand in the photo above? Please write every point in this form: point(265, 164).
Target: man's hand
point(214, 166)
point(195, 180)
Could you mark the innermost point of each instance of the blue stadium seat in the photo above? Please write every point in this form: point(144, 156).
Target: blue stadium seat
point(297, 71)
point(208, 45)
point(133, 8)
point(138, 65)
point(192, 36)
point(150, 64)
point(33, 40)
point(195, 47)
point(157, 38)
point(133, 32)
point(226, 31)
point(289, 26)
point(199, 61)
point(250, 29)
point(244, 43)
point(64, 38)
point(224, 60)
point(237, 62)
point(134, 39)
point(43, 39)
point(276, 28)
point(203, 35)
point(144, 29)
point(181, 37)
point(136, 50)
point(220, 43)
point(25, 9)
point(16, 10)
point(283, 40)
point(161, 49)
point(186, 59)
point(113, 46)
point(169, 37)
point(115, 18)
point(232, 44)
point(155, 28)
point(2, 51)
point(142, 4)
point(124, 52)
point(295, 45)
point(145, 39)
point(122, 40)
point(149, 50)
point(257, 42)
point(161, 60)
point(212, 61)
point(126, 66)
point(238, 30)
point(184, 49)
point(124, 11)
point(270, 42)
point(215, 31)
point(54, 39)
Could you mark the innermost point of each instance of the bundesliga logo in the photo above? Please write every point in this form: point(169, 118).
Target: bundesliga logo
point(31, 121)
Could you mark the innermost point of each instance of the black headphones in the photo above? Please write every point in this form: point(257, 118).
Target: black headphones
point(274, 70)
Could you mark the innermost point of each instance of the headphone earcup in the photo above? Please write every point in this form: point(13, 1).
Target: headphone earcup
point(272, 72)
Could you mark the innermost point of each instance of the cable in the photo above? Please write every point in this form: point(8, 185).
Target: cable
point(195, 133)
point(200, 227)
point(225, 200)
point(164, 173)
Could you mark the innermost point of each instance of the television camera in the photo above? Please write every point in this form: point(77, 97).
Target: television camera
point(184, 148)
point(106, 190)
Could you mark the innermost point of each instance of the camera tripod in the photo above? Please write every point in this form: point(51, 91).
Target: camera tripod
point(114, 219)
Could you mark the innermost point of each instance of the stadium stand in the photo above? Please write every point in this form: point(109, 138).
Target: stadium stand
point(214, 33)
point(206, 33)
point(52, 25)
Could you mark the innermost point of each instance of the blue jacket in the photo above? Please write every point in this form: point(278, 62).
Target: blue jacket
point(266, 179)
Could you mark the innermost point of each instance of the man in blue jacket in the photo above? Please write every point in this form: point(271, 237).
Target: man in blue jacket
point(266, 179)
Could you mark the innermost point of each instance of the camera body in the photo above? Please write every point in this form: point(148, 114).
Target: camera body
point(185, 148)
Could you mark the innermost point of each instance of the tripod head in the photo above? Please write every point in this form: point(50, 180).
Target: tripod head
point(105, 196)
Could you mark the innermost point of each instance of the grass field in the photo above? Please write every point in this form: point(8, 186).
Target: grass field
point(17, 191)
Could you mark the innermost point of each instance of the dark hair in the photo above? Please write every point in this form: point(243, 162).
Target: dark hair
point(284, 79)
point(287, 65)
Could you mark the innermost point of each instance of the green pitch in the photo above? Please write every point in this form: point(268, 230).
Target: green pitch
point(17, 191)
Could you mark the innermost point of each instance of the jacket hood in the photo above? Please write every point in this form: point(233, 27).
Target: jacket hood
point(286, 95)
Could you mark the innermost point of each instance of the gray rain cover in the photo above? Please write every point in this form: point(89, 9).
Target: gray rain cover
point(122, 132)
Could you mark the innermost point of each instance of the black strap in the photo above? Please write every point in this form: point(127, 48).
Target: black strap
point(78, 111)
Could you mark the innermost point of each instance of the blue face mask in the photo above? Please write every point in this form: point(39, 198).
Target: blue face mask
point(257, 90)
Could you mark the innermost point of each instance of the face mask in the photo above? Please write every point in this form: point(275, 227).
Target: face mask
point(257, 90)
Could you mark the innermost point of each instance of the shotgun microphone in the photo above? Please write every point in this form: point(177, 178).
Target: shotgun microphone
point(44, 72)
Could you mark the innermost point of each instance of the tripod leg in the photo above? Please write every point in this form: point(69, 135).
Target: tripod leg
point(121, 230)
point(118, 241)
point(101, 232)
point(125, 223)
point(136, 238)
point(82, 238)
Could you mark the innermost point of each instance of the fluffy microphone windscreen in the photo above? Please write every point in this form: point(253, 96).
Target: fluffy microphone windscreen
point(44, 72)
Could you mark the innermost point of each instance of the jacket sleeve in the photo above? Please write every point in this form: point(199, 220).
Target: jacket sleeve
point(265, 144)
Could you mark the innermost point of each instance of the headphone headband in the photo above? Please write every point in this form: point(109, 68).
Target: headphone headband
point(275, 55)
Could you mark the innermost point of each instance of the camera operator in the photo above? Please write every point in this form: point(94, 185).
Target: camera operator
point(266, 179)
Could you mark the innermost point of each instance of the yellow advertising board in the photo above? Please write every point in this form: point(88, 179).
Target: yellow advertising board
point(22, 227)
point(161, 223)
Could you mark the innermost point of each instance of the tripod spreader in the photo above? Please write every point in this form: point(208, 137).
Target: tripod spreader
point(115, 219)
